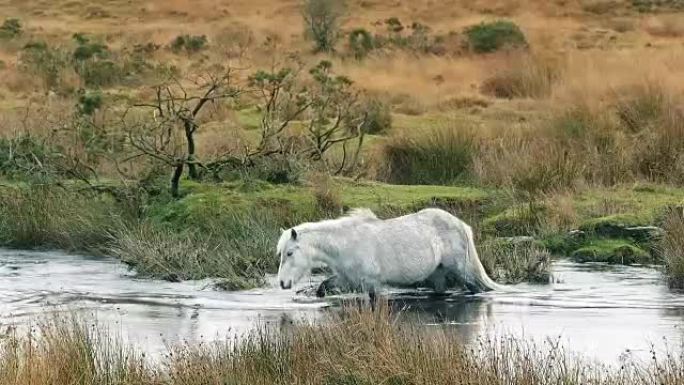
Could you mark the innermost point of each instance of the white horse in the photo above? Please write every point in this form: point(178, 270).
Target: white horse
point(429, 246)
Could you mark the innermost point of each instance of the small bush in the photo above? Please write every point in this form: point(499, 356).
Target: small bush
point(89, 102)
point(437, 156)
point(360, 43)
point(492, 36)
point(10, 29)
point(92, 62)
point(322, 22)
point(378, 117)
point(188, 43)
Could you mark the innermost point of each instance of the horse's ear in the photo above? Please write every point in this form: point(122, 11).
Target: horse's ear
point(282, 230)
point(294, 235)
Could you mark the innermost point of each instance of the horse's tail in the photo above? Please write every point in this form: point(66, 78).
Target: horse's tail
point(476, 278)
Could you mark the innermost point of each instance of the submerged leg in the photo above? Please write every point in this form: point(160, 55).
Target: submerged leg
point(438, 280)
point(373, 297)
point(332, 283)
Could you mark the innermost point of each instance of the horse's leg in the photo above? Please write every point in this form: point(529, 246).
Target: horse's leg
point(438, 281)
point(325, 285)
point(373, 297)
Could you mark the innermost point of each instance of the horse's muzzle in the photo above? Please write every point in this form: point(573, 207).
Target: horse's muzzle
point(285, 286)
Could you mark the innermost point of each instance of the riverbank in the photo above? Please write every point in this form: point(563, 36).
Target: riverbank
point(227, 230)
point(355, 346)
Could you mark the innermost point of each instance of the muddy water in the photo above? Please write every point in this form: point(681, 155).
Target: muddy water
point(603, 312)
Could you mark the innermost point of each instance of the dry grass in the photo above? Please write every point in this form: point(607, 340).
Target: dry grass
point(669, 26)
point(673, 247)
point(523, 76)
point(355, 346)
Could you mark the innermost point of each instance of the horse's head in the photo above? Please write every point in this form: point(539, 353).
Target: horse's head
point(294, 263)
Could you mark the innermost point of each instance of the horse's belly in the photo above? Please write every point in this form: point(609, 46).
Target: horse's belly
point(408, 274)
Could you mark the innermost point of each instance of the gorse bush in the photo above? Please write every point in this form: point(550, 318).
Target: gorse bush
point(10, 28)
point(360, 43)
point(92, 62)
point(491, 36)
point(188, 43)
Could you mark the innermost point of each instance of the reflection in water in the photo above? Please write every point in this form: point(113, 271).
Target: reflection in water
point(594, 309)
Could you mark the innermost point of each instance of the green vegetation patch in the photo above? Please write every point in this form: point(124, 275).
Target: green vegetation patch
point(616, 251)
point(492, 36)
point(523, 219)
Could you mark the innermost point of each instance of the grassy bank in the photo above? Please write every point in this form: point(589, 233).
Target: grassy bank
point(228, 230)
point(353, 347)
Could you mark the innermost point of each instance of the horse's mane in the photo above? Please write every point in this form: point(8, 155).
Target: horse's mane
point(352, 216)
point(361, 212)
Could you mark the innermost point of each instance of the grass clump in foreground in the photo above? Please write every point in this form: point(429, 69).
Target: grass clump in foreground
point(673, 248)
point(352, 347)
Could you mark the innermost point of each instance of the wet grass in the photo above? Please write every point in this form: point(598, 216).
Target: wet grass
point(354, 346)
point(227, 230)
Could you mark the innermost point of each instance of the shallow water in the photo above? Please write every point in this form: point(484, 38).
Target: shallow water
point(596, 310)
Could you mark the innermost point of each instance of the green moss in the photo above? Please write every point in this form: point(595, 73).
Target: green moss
point(612, 224)
point(617, 251)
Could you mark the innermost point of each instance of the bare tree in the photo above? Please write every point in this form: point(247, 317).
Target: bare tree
point(166, 127)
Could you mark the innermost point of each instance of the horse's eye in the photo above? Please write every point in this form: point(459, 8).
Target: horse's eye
point(289, 253)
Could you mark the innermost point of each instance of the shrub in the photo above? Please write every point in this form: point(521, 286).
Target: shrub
point(437, 156)
point(10, 29)
point(92, 62)
point(378, 116)
point(492, 36)
point(360, 43)
point(188, 43)
point(322, 22)
point(89, 102)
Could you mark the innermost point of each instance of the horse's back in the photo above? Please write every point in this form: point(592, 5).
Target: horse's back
point(411, 247)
